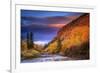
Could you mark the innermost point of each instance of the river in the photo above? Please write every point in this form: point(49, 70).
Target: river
point(46, 58)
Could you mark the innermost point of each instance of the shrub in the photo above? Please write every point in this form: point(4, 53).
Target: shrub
point(27, 54)
point(79, 52)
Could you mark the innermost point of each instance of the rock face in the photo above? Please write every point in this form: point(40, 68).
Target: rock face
point(73, 38)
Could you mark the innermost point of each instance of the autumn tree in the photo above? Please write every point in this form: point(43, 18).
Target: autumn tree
point(58, 45)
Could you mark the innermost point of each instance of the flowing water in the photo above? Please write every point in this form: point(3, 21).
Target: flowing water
point(46, 58)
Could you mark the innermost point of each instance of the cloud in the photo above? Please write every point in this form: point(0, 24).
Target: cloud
point(62, 21)
point(41, 42)
point(56, 25)
point(46, 24)
point(45, 21)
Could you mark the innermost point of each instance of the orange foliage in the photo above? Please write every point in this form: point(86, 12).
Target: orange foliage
point(80, 33)
point(76, 37)
point(73, 34)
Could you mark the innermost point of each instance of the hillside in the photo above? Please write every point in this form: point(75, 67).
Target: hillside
point(73, 39)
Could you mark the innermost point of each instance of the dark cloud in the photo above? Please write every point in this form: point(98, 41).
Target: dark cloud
point(47, 20)
point(44, 26)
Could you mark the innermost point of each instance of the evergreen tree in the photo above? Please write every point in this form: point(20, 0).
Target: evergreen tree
point(29, 40)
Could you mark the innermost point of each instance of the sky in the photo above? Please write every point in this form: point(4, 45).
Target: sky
point(44, 24)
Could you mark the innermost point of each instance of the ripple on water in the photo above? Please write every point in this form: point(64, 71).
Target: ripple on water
point(46, 58)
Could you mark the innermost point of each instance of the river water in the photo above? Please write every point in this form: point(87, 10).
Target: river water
point(46, 58)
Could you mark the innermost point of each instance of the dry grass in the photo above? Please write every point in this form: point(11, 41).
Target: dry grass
point(29, 53)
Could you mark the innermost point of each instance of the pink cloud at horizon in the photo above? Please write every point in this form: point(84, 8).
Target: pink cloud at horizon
point(57, 25)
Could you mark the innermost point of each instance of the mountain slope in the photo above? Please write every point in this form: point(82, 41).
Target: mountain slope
point(74, 39)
